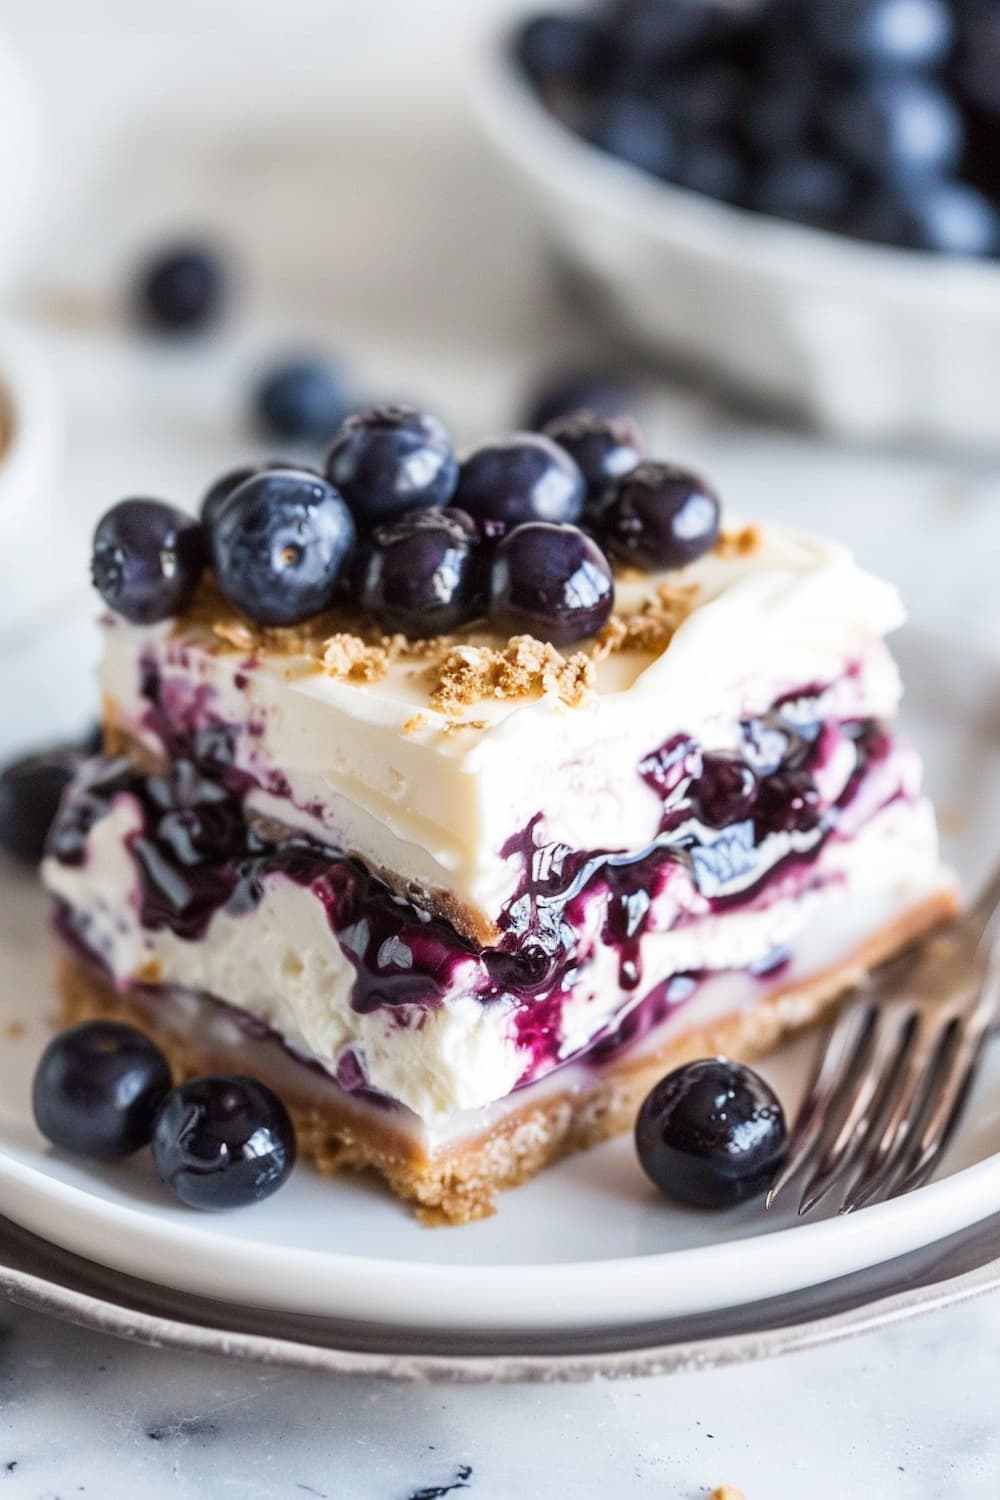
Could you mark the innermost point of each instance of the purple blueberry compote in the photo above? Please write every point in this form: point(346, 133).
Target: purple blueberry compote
point(223, 1141)
point(278, 545)
point(524, 477)
point(549, 581)
point(420, 574)
point(604, 449)
point(711, 1134)
point(659, 516)
point(391, 460)
point(97, 1088)
point(147, 559)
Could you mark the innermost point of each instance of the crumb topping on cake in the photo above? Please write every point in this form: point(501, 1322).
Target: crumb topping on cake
point(523, 668)
point(459, 669)
point(742, 543)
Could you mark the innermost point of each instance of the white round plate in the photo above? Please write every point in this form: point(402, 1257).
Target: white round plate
point(588, 1244)
point(870, 342)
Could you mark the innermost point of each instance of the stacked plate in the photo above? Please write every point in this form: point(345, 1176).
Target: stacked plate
point(584, 1270)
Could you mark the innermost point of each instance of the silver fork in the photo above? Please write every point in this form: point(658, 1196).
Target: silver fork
point(891, 1082)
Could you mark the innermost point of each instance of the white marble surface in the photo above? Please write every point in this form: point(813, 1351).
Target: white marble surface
point(329, 142)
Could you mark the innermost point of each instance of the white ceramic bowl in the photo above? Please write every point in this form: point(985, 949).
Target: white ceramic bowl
point(869, 343)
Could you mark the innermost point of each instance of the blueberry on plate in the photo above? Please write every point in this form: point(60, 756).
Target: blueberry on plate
point(660, 516)
point(549, 581)
point(278, 545)
point(563, 391)
point(97, 1088)
point(147, 559)
point(895, 128)
point(525, 477)
point(882, 34)
point(181, 289)
point(603, 448)
point(711, 1134)
point(391, 460)
point(31, 789)
point(223, 1141)
point(300, 400)
point(420, 574)
point(946, 217)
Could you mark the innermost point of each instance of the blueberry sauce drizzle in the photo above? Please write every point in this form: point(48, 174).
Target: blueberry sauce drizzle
point(196, 853)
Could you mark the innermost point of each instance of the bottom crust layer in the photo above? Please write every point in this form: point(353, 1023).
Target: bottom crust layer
point(458, 1183)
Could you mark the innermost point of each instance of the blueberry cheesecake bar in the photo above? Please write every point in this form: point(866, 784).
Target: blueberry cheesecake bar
point(458, 801)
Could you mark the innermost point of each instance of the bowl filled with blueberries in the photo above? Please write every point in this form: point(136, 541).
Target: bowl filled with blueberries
point(800, 197)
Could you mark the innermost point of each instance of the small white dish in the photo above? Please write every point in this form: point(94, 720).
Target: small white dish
point(586, 1245)
point(870, 343)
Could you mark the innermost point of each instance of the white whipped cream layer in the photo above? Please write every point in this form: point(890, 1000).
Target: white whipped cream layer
point(282, 964)
point(371, 768)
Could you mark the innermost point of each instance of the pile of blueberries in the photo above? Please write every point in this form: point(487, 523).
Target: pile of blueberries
point(878, 119)
point(102, 1090)
point(396, 529)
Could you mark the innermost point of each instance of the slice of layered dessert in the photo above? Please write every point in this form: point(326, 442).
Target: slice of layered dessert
point(458, 834)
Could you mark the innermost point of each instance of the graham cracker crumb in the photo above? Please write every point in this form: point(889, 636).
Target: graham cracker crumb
point(727, 1492)
point(414, 725)
point(150, 972)
point(740, 543)
point(652, 627)
point(348, 656)
point(523, 668)
point(14, 1030)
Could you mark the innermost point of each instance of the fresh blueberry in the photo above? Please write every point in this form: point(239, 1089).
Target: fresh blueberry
point(300, 400)
point(895, 128)
point(706, 100)
point(97, 1088)
point(606, 392)
point(525, 477)
point(780, 112)
point(663, 32)
point(660, 516)
point(220, 490)
point(181, 290)
point(711, 1134)
point(949, 218)
point(223, 1141)
point(558, 48)
point(420, 573)
point(603, 448)
point(391, 460)
point(147, 559)
point(550, 581)
point(709, 165)
point(811, 189)
point(278, 546)
point(634, 130)
point(883, 34)
point(31, 789)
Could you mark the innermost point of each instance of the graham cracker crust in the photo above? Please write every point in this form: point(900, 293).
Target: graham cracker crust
point(460, 1182)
